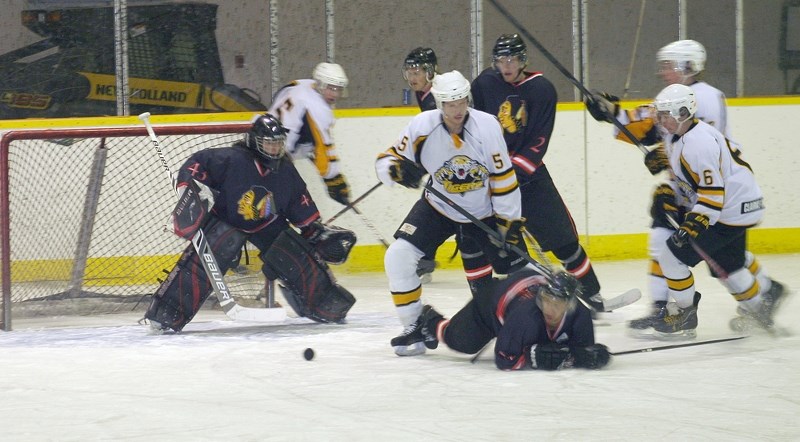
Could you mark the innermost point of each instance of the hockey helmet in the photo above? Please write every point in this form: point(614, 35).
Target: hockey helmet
point(450, 86)
point(688, 56)
point(422, 58)
point(561, 287)
point(677, 100)
point(510, 45)
point(330, 74)
point(267, 137)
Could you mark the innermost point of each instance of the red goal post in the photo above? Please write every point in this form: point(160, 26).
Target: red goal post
point(82, 215)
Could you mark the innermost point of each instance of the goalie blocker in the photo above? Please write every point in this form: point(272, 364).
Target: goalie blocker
point(308, 285)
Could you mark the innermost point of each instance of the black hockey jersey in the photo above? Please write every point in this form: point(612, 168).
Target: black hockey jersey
point(527, 112)
point(250, 194)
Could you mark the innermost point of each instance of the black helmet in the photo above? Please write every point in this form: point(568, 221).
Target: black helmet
point(266, 127)
point(423, 58)
point(510, 45)
point(563, 286)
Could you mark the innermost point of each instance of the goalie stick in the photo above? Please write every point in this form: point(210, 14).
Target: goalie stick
point(229, 305)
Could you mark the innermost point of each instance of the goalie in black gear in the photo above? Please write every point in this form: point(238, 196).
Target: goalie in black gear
point(537, 321)
point(257, 194)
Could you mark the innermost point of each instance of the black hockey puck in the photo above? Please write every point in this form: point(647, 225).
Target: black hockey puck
point(308, 354)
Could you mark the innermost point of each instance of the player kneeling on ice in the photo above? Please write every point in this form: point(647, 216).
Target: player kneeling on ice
point(714, 196)
point(536, 319)
point(257, 193)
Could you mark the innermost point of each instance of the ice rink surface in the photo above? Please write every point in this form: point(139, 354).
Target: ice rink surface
point(107, 379)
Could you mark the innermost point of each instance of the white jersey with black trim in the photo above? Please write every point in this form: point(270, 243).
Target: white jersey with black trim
point(471, 168)
point(309, 119)
point(710, 177)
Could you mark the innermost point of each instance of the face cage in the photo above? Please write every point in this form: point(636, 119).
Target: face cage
point(429, 73)
point(544, 293)
point(272, 156)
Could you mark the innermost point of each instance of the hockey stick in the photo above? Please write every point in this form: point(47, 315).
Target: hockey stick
point(565, 72)
point(232, 309)
point(635, 47)
point(477, 355)
point(670, 347)
point(371, 227)
point(353, 203)
point(541, 268)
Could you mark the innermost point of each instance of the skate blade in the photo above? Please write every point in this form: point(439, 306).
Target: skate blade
point(415, 349)
point(677, 336)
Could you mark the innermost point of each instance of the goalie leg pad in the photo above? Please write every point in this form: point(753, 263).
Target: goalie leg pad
point(181, 295)
point(308, 284)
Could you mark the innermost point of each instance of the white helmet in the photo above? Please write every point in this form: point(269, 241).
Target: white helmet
point(678, 100)
point(450, 86)
point(330, 74)
point(688, 55)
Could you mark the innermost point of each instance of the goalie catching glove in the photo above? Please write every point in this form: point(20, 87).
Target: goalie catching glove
point(332, 243)
point(406, 173)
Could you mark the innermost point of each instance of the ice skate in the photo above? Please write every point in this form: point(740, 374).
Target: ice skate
point(657, 313)
point(682, 324)
point(764, 317)
point(411, 342)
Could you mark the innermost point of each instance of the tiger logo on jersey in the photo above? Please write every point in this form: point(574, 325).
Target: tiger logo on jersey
point(511, 121)
point(461, 174)
point(255, 204)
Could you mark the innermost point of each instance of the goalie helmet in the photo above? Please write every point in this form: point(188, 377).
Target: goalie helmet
point(678, 100)
point(689, 56)
point(423, 58)
point(330, 74)
point(450, 86)
point(267, 137)
point(510, 45)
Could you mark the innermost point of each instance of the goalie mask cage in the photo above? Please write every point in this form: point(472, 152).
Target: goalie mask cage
point(82, 215)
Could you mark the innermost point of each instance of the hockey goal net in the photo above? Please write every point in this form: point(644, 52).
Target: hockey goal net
point(82, 216)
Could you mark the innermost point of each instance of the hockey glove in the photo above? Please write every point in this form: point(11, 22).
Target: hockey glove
point(550, 356)
point(593, 357)
point(511, 233)
point(338, 189)
point(602, 106)
point(693, 225)
point(664, 204)
point(406, 173)
point(656, 160)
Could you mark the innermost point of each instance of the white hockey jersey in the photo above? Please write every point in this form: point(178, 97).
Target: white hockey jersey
point(309, 119)
point(472, 168)
point(710, 177)
point(711, 108)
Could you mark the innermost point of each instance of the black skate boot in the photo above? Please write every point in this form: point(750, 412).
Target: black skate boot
point(659, 310)
point(411, 341)
point(594, 302)
point(683, 324)
point(429, 319)
point(425, 269)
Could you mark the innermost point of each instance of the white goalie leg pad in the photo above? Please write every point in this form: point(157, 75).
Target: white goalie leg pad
point(657, 243)
point(400, 264)
point(679, 278)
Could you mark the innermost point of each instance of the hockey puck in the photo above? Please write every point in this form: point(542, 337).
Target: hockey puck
point(308, 354)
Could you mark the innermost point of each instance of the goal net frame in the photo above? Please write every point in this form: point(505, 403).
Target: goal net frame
point(60, 139)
